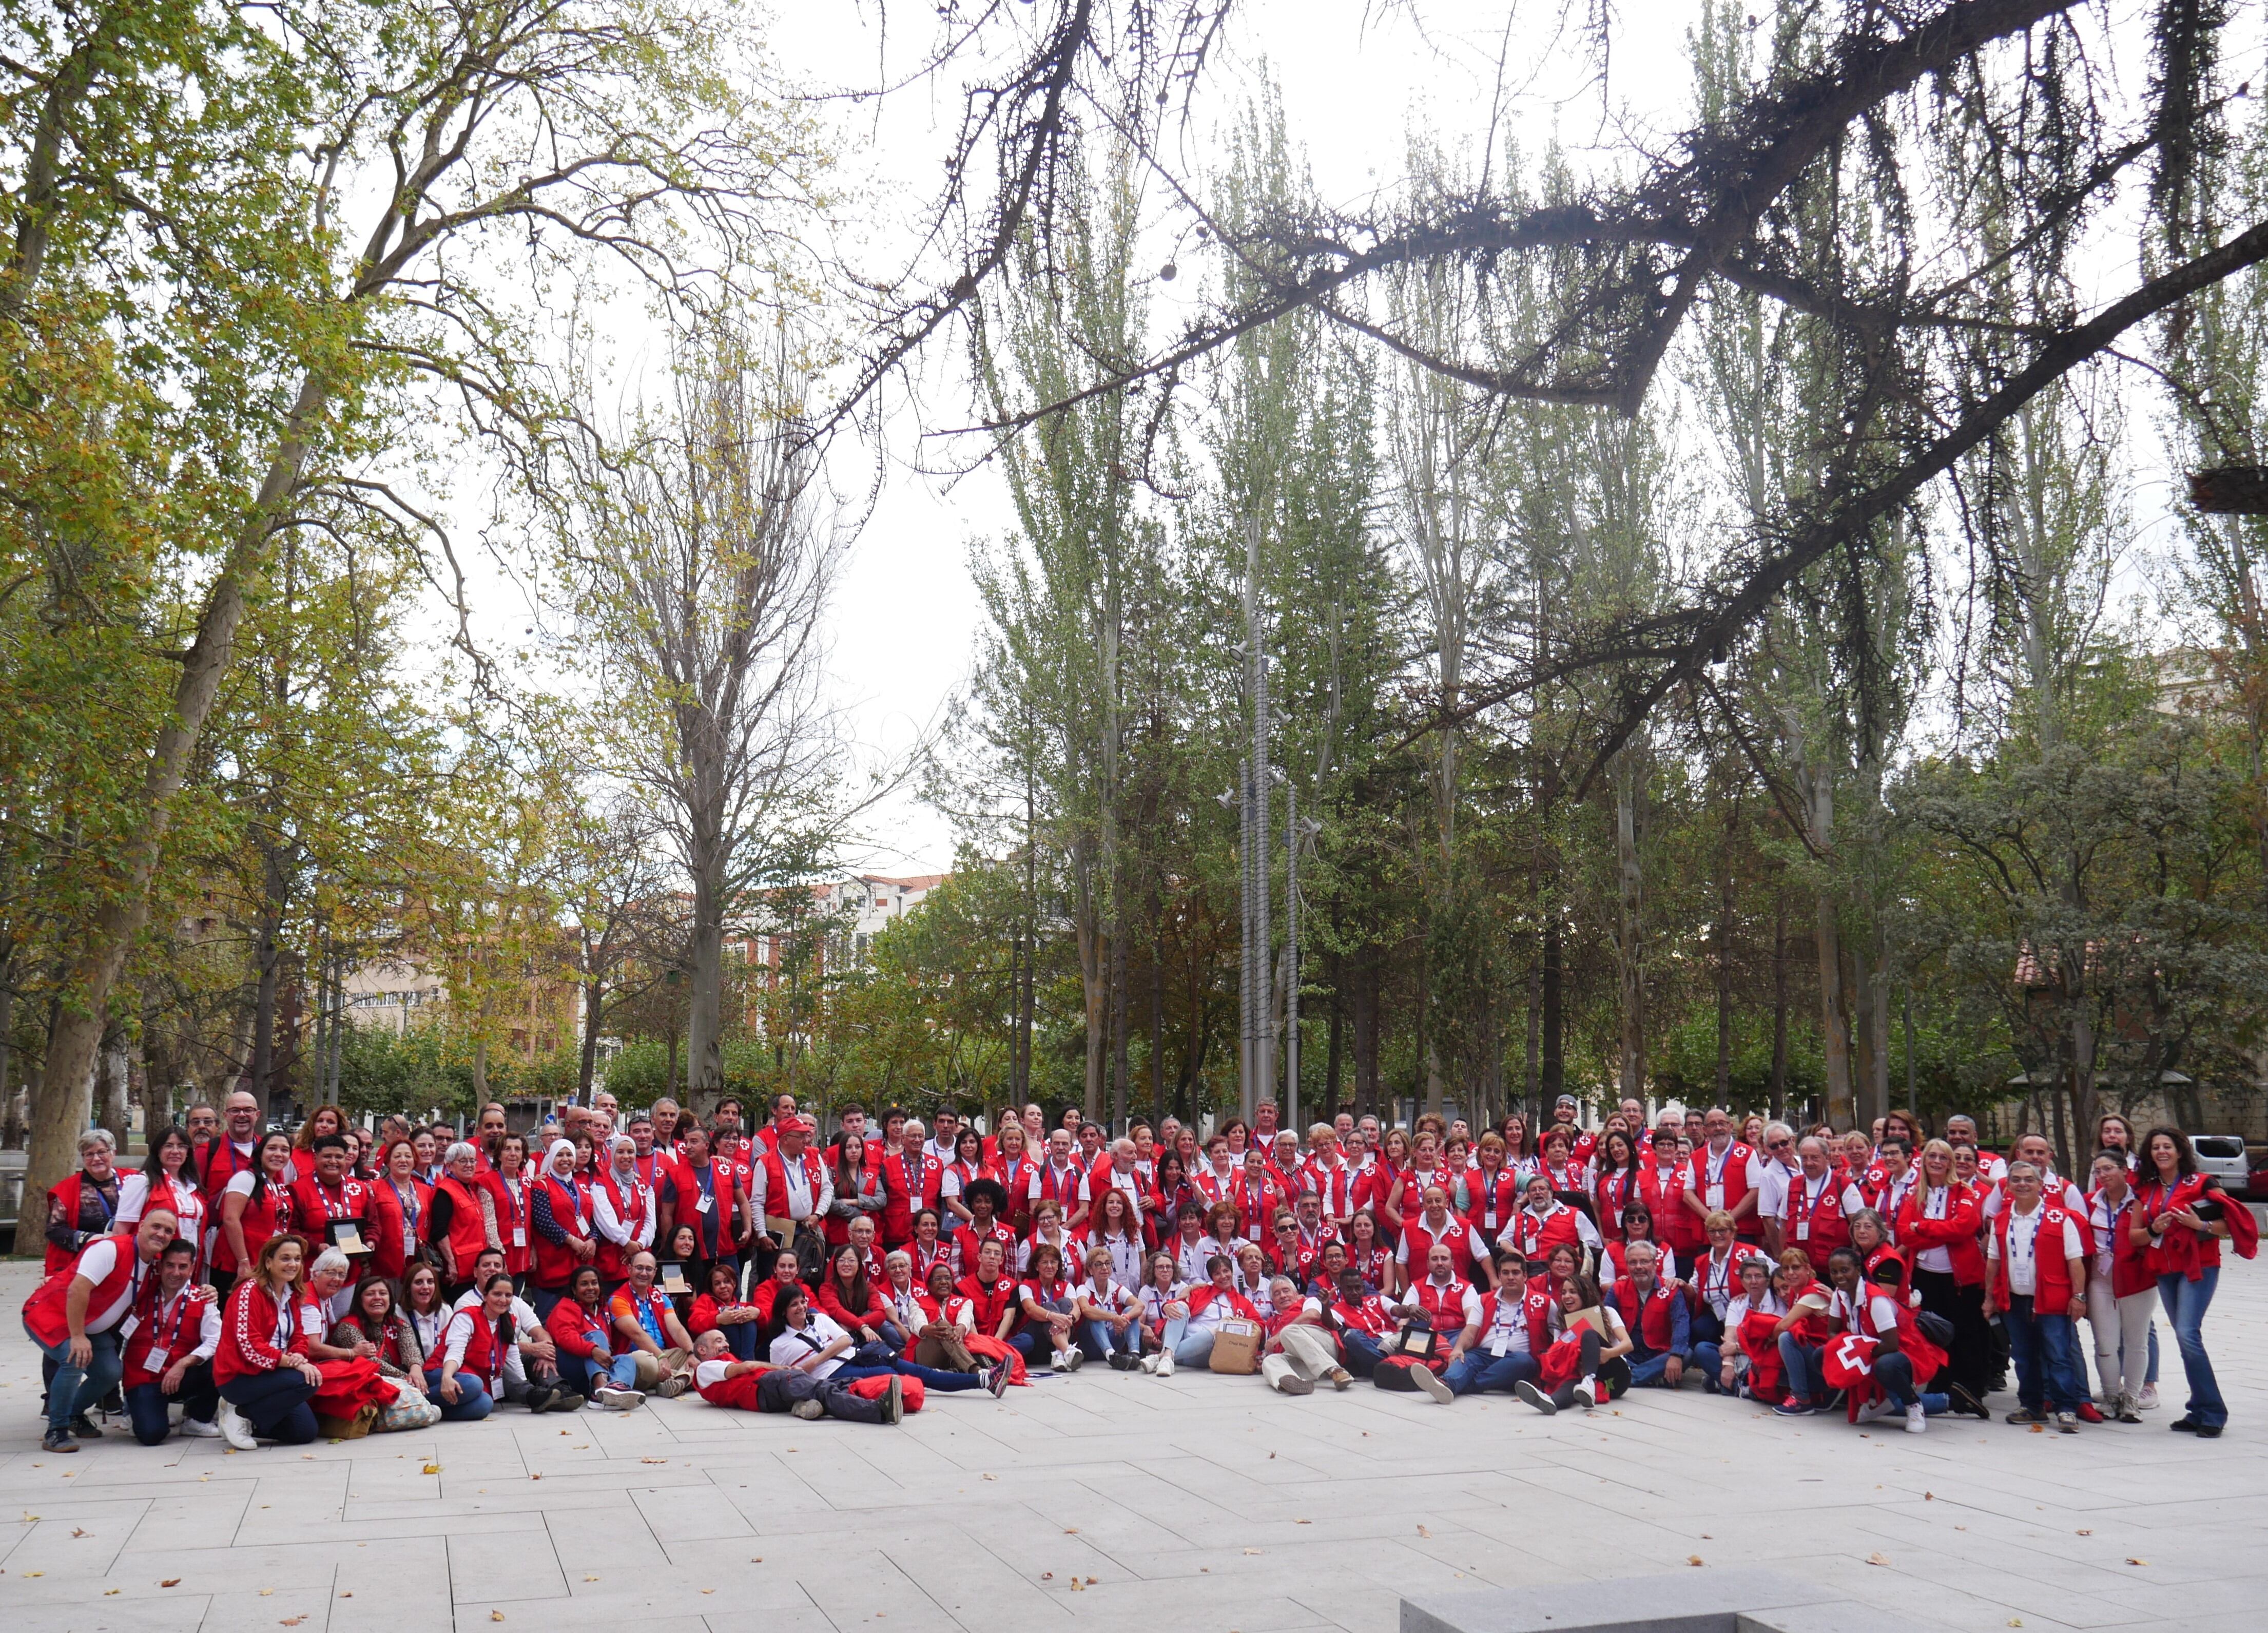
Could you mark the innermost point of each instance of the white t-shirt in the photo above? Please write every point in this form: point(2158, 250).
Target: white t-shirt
point(791, 1347)
point(1772, 1189)
point(706, 1373)
point(2023, 1263)
point(100, 1260)
point(1115, 1297)
point(1470, 1310)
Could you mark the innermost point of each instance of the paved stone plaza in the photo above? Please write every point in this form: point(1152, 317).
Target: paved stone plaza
point(1115, 1501)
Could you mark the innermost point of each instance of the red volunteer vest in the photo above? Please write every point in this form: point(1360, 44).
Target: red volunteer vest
point(2051, 1277)
point(776, 1194)
point(632, 1204)
point(1732, 1174)
point(1652, 1319)
point(570, 1210)
point(174, 1335)
point(1443, 1306)
point(1493, 1201)
point(1664, 1196)
point(1535, 1307)
point(1817, 1223)
point(44, 1313)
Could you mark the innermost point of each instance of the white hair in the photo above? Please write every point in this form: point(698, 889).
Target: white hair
point(329, 1260)
point(94, 1137)
point(912, 1125)
point(456, 1148)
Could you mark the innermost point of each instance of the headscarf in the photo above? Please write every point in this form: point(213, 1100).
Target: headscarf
point(551, 1159)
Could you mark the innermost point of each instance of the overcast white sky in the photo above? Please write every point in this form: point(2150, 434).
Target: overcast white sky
point(1356, 77)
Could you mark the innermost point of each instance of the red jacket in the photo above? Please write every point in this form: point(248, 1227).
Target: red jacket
point(387, 1217)
point(578, 1331)
point(715, 1227)
point(555, 1263)
point(1664, 1196)
point(830, 1298)
point(248, 1330)
point(1956, 1232)
point(2182, 1251)
point(1732, 1175)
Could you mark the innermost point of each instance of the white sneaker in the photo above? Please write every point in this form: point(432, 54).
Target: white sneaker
point(617, 1399)
point(1916, 1420)
point(235, 1430)
point(1164, 1368)
point(2147, 1401)
point(809, 1411)
point(1587, 1393)
point(1871, 1410)
point(1069, 1360)
point(198, 1430)
point(1427, 1379)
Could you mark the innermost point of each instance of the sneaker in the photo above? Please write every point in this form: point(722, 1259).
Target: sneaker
point(2147, 1401)
point(58, 1440)
point(2088, 1412)
point(670, 1388)
point(1342, 1379)
point(197, 1428)
point(1122, 1361)
point(2025, 1415)
point(1916, 1420)
point(566, 1400)
point(809, 1411)
point(1165, 1365)
point(1871, 1410)
point(83, 1427)
point(894, 1403)
point(1536, 1397)
point(2066, 1424)
point(1963, 1401)
point(1427, 1379)
point(1072, 1359)
point(2126, 1413)
point(235, 1430)
point(1294, 1385)
point(1149, 1364)
point(617, 1399)
point(1793, 1408)
point(1587, 1393)
point(996, 1379)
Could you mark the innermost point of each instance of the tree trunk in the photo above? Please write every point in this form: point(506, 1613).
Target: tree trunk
point(1092, 954)
point(1157, 1020)
point(113, 1075)
point(1331, 1053)
point(1365, 996)
point(100, 950)
point(1818, 790)
point(1553, 1067)
point(1780, 1007)
point(1725, 961)
point(1629, 904)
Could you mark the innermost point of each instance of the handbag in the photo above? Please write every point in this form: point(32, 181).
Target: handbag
point(1935, 1328)
point(409, 1410)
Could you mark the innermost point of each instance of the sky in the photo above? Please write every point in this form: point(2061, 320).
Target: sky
point(1356, 78)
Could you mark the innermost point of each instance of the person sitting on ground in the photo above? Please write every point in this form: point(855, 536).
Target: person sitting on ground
point(78, 1317)
point(760, 1387)
point(1364, 1319)
point(531, 1363)
point(265, 1380)
point(1803, 1335)
point(593, 1361)
point(1514, 1330)
point(720, 1309)
point(1746, 1361)
point(374, 1319)
point(650, 1331)
point(1045, 1298)
point(1108, 1313)
point(1579, 1368)
point(1658, 1319)
point(1299, 1353)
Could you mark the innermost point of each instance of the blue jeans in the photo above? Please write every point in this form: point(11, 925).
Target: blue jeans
point(1188, 1349)
point(2044, 1350)
point(876, 1361)
point(1894, 1374)
point(1097, 1339)
point(583, 1374)
point(1359, 1351)
point(472, 1405)
point(1651, 1373)
point(1709, 1360)
point(1477, 1372)
point(1800, 1361)
point(75, 1390)
point(150, 1407)
point(274, 1404)
point(2185, 1303)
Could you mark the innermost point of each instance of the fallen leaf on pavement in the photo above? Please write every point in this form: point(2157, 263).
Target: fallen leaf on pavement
point(1877, 1559)
point(1695, 1559)
point(80, 1532)
point(2138, 1562)
point(1071, 1531)
point(432, 1468)
point(2089, 1532)
point(1255, 1551)
point(1423, 1532)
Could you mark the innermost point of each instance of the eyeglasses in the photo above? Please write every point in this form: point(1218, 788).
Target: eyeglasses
point(1777, 1145)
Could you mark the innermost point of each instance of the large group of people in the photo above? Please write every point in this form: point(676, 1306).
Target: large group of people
point(261, 1286)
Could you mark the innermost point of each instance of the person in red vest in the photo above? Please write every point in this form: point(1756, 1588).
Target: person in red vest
point(1579, 1368)
point(168, 1355)
point(1816, 1214)
point(75, 1316)
point(566, 1237)
point(1514, 1330)
point(1662, 1343)
point(593, 1361)
point(793, 1185)
point(2181, 1217)
point(1545, 1222)
point(622, 1211)
point(911, 1182)
point(398, 1203)
point(330, 1208)
point(1725, 1173)
point(759, 1386)
point(703, 1193)
point(83, 1206)
point(233, 1149)
point(1451, 1307)
point(2038, 1281)
point(255, 1207)
point(459, 1218)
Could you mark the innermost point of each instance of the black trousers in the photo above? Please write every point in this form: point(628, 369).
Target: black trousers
point(1970, 1357)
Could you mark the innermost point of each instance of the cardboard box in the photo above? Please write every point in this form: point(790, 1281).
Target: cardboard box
point(1236, 1346)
